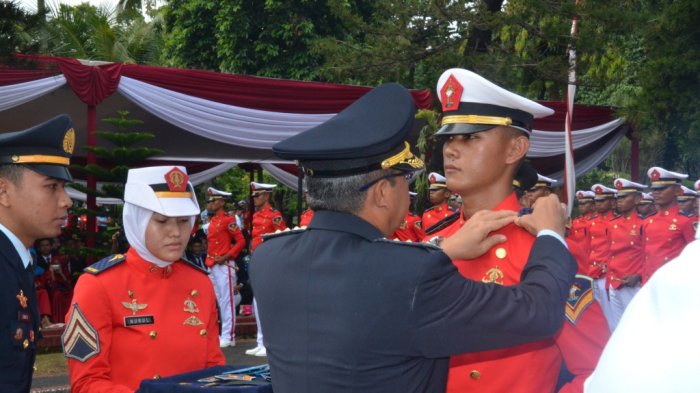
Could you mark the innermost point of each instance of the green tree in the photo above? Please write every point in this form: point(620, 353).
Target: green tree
point(18, 29)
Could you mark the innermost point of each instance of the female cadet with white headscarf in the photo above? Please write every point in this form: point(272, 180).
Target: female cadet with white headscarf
point(147, 313)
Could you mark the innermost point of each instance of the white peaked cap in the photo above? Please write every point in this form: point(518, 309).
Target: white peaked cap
point(162, 189)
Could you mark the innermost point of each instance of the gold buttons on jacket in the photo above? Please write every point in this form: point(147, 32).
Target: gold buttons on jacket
point(157, 376)
point(153, 334)
point(475, 374)
point(501, 253)
point(203, 332)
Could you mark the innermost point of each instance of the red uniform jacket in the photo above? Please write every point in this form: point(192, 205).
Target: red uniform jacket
point(306, 217)
point(223, 238)
point(599, 244)
point(578, 233)
point(410, 229)
point(533, 367)
point(266, 220)
point(626, 249)
point(436, 213)
point(131, 320)
point(665, 235)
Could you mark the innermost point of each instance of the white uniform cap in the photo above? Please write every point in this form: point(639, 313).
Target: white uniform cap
point(661, 178)
point(261, 187)
point(625, 186)
point(646, 198)
point(543, 181)
point(412, 194)
point(162, 189)
point(437, 181)
point(602, 192)
point(584, 195)
point(687, 193)
point(470, 103)
point(214, 194)
point(697, 185)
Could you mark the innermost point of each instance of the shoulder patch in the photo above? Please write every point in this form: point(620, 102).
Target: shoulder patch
point(104, 264)
point(79, 340)
point(580, 297)
point(195, 266)
point(232, 226)
point(410, 244)
point(277, 220)
point(442, 224)
point(419, 225)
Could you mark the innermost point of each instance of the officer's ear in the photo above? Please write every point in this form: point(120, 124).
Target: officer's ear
point(5, 189)
point(379, 195)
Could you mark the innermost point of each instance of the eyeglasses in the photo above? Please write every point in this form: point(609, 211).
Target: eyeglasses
point(408, 176)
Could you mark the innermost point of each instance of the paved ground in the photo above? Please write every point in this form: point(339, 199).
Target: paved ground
point(234, 356)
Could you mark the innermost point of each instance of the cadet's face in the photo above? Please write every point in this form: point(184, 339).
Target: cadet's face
point(196, 248)
point(585, 207)
point(36, 207)
point(166, 237)
point(538, 192)
point(603, 206)
point(687, 206)
point(438, 196)
point(474, 161)
point(627, 203)
point(45, 247)
point(260, 199)
point(665, 197)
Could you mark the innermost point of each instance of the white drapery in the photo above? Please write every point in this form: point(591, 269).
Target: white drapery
point(19, 93)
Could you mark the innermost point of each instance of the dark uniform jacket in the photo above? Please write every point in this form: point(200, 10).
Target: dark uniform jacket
point(19, 320)
point(346, 310)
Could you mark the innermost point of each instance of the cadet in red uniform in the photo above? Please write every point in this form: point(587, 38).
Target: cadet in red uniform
point(542, 187)
point(668, 231)
point(487, 135)
point(578, 233)
point(646, 206)
point(410, 229)
point(439, 195)
point(306, 217)
point(224, 242)
point(599, 255)
point(266, 219)
point(146, 314)
point(624, 273)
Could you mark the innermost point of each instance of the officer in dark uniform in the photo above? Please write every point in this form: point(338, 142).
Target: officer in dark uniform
point(33, 204)
point(345, 309)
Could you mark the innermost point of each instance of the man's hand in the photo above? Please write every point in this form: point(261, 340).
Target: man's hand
point(631, 280)
point(221, 259)
point(547, 213)
point(473, 240)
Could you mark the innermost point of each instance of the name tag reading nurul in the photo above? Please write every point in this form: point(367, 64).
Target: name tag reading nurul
point(139, 320)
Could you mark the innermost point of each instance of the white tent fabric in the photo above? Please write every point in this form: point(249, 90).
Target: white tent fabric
point(282, 176)
point(223, 123)
point(547, 144)
point(19, 93)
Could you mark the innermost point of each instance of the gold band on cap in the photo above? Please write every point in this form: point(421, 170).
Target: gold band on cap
point(171, 194)
point(627, 190)
point(669, 182)
point(516, 183)
point(404, 156)
point(476, 119)
point(41, 159)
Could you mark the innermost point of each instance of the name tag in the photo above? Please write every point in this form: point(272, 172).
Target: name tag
point(139, 320)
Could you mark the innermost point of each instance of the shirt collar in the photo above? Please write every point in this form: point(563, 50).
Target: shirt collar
point(21, 249)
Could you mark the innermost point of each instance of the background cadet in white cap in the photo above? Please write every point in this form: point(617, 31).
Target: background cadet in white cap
point(486, 136)
point(439, 195)
point(580, 225)
point(599, 252)
point(646, 206)
point(667, 231)
point(542, 187)
point(624, 272)
point(148, 313)
point(686, 202)
point(655, 347)
point(225, 241)
point(33, 205)
point(266, 219)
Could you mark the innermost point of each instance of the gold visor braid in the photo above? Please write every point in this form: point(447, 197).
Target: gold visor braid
point(476, 119)
point(404, 156)
point(40, 159)
point(173, 194)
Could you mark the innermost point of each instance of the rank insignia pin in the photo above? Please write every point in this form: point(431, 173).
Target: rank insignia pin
point(22, 299)
point(193, 321)
point(190, 306)
point(134, 306)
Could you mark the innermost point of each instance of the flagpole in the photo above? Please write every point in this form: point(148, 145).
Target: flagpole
point(569, 168)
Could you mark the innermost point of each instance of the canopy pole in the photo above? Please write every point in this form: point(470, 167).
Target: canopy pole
point(300, 190)
point(91, 180)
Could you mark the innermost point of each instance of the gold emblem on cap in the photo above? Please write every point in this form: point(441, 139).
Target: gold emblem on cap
point(25, 344)
point(69, 141)
point(404, 156)
point(177, 178)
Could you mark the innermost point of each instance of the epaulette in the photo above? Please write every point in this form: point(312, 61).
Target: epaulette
point(104, 264)
point(411, 244)
point(442, 224)
point(682, 213)
point(286, 232)
point(429, 209)
point(615, 216)
point(193, 265)
point(650, 215)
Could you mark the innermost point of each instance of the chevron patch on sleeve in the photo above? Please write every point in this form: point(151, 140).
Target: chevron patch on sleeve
point(580, 297)
point(80, 340)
